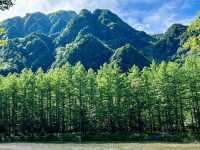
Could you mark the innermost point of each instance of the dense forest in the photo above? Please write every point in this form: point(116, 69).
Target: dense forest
point(70, 100)
point(91, 76)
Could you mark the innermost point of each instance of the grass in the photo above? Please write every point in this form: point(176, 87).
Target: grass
point(111, 146)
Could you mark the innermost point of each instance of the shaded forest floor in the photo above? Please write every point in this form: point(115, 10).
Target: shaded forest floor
point(103, 138)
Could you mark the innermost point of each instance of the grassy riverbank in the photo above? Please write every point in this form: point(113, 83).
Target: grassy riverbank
point(107, 146)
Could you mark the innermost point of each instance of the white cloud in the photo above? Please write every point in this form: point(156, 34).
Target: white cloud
point(24, 6)
point(158, 20)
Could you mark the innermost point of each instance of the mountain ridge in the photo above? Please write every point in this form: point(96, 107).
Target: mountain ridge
point(79, 37)
point(37, 22)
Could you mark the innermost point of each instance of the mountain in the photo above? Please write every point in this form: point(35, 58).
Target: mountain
point(87, 49)
point(37, 22)
point(59, 20)
point(169, 42)
point(34, 51)
point(109, 28)
point(127, 55)
point(190, 43)
point(50, 40)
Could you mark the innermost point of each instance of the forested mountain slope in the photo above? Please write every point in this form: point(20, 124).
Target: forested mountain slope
point(108, 27)
point(169, 42)
point(34, 51)
point(93, 38)
point(128, 55)
point(190, 40)
point(37, 22)
point(88, 49)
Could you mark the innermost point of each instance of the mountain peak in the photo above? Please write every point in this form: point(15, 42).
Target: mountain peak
point(85, 12)
point(100, 11)
point(61, 14)
point(35, 14)
point(49, 24)
point(176, 30)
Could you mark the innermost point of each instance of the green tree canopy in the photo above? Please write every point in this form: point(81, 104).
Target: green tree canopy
point(6, 4)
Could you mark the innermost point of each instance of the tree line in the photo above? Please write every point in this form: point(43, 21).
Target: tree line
point(161, 98)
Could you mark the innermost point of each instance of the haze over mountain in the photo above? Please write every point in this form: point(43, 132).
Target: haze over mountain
point(93, 38)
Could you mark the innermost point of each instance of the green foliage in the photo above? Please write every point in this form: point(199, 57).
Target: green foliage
point(59, 20)
point(3, 42)
point(107, 27)
point(169, 42)
point(34, 51)
point(127, 55)
point(192, 43)
point(160, 102)
point(195, 26)
point(6, 4)
point(87, 49)
point(2, 31)
point(37, 22)
point(190, 39)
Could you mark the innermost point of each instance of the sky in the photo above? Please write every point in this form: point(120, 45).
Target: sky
point(151, 16)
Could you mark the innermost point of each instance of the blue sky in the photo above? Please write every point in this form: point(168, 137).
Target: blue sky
point(152, 16)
